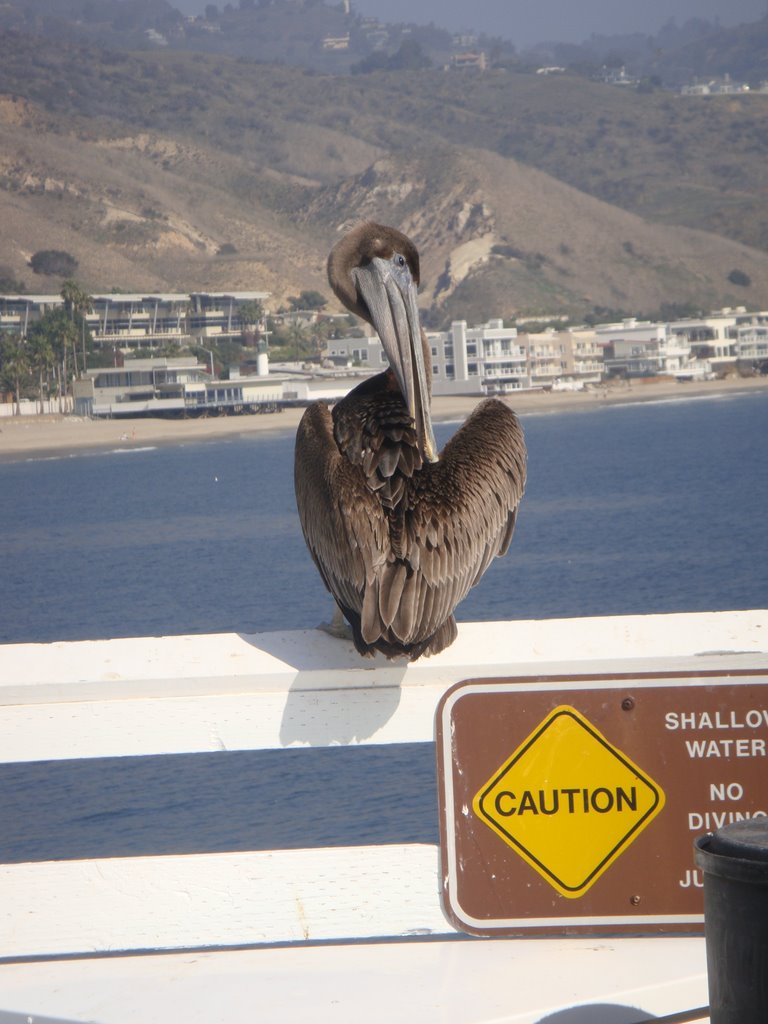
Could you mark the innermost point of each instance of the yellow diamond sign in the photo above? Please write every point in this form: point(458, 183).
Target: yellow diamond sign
point(568, 801)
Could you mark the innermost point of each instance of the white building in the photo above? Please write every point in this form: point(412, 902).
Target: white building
point(365, 353)
point(216, 315)
point(585, 354)
point(724, 86)
point(752, 345)
point(177, 387)
point(19, 312)
point(725, 341)
point(729, 340)
point(644, 348)
point(131, 321)
point(490, 359)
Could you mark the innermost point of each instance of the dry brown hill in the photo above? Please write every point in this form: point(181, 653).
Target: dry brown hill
point(138, 211)
point(152, 207)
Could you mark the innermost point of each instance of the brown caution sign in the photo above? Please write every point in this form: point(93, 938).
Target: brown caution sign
point(571, 805)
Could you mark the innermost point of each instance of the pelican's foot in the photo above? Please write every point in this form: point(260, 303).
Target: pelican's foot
point(338, 627)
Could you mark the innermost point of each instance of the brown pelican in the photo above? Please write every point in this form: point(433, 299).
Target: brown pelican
point(399, 534)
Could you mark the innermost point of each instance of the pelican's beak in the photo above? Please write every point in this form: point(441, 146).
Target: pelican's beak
point(390, 295)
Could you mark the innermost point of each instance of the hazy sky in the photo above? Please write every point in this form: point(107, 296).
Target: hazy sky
point(530, 21)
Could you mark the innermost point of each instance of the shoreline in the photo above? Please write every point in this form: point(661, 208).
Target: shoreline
point(54, 435)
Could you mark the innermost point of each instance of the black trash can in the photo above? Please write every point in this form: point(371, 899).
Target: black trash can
point(735, 865)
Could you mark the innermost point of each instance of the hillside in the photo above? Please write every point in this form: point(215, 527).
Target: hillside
point(500, 236)
point(176, 171)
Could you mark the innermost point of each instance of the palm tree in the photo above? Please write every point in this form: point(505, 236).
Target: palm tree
point(41, 359)
point(14, 365)
point(250, 315)
point(61, 334)
point(297, 339)
point(77, 303)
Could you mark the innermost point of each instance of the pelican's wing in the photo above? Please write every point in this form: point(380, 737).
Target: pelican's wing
point(342, 521)
point(462, 516)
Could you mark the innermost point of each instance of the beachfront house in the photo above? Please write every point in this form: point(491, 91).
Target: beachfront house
point(131, 321)
point(173, 387)
point(490, 359)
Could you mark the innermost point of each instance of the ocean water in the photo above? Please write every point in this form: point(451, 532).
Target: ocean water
point(653, 507)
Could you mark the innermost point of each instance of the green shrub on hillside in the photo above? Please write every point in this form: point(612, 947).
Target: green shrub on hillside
point(55, 262)
point(740, 278)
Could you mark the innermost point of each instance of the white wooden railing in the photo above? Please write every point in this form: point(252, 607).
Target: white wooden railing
point(130, 698)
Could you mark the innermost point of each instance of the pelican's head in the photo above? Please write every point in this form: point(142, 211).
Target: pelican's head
point(374, 270)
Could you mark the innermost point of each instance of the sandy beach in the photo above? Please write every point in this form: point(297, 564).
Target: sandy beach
point(41, 435)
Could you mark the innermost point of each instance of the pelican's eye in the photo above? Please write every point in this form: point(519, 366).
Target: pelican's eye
point(401, 270)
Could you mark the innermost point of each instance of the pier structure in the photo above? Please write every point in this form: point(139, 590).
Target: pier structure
point(345, 928)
